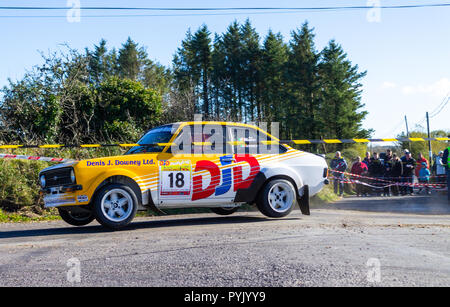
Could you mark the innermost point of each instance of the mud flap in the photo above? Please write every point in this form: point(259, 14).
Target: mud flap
point(303, 199)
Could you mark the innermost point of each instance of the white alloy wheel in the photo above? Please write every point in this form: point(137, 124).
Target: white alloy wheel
point(281, 196)
point(117, 205)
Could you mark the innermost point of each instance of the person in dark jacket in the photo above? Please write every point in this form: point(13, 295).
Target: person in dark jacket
point(388, 161)
point(366, 160)
point(409, 163)
point(396, 173)
point(338, 164)
point(376, 170)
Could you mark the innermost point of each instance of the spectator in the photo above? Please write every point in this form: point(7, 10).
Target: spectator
point(338, 164)
point(420, 160)
point(388, 160)
point(359, 168)
point(366, 160)
point(447, 168)
point(439, 168)
point(409, 163)
point(396, 173)
point(424, 177)
point(376, 170)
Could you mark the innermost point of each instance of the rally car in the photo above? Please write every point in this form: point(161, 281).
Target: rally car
point(217, 165)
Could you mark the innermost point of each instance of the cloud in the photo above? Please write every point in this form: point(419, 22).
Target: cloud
point(387, 85)
point(439, 88)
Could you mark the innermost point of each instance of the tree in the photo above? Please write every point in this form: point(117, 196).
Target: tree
point(131, 61)
point(251, 67)
point(303, 83)
point(340, 113)
point(416, 147)
point(274, 59)
point(101, 62)
point(192, 67)
point(125, 109)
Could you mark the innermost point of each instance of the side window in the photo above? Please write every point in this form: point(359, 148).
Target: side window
point(203, 139)
point(247, 140)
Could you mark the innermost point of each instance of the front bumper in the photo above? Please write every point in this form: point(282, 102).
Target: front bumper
point(63, 196)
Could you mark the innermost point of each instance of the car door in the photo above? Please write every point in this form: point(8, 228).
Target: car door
point(198, 169)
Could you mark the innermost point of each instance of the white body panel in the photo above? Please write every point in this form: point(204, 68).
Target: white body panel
point(302, 167)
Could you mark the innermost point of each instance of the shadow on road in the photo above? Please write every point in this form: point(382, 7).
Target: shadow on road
point(416, 204)
point(134, 226)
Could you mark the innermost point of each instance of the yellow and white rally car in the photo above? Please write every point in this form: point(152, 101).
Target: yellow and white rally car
point(218, 165)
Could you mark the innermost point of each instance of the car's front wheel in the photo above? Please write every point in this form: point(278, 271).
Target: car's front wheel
point(277, 198)
point(115, 206)
point(76, 218)
point(224, 210)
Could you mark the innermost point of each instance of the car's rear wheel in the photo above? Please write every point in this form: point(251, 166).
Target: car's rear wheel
point(76, 218)
point(115, 205)
point(224, 210)
point(277, 198)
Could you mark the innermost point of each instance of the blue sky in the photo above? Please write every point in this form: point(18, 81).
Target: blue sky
point(406, 54)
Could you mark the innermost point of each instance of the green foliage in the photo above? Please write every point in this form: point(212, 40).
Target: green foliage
point(18, 181)
point(312, 94)
point(108, 95)
point(98, 96)
point(25, 216)
point(125, 108)
point(422, 147)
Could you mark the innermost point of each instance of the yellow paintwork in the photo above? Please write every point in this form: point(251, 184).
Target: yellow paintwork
point(91, 173)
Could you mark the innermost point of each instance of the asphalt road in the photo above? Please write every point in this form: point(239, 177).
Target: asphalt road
point(338, 245)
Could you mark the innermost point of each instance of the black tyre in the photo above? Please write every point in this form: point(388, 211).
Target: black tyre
point(76, 218)
point(224, 210)
point(115, 206)
point(277, 198)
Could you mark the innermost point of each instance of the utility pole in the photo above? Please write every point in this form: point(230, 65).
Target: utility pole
point(430, 152)
point(407, 132)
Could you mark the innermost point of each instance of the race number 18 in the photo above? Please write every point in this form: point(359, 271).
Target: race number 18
point(175, 182)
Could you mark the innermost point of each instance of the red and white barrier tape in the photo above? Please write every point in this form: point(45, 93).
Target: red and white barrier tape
point(34, 158)
point(392, 183)
point(382, 179)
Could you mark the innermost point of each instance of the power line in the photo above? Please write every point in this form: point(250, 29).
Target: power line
point(439, 111)
point(201, 11)
point(224, 8)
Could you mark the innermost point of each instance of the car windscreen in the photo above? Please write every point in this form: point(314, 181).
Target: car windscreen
point(161, 134)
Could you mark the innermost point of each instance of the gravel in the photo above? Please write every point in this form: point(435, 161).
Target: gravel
point(331, 247)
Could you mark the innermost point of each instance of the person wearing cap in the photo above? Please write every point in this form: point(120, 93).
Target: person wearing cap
point(409, 163)
point(340, 165)
point(447, 168)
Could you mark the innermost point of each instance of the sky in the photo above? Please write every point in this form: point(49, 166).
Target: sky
point(406, 52)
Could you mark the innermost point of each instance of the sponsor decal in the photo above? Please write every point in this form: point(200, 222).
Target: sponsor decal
point(82, 198)
point(121, 162)
point(175, 177)
point(216, 175)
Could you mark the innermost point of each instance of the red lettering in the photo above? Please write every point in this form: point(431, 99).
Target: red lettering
point(240, 183)
point(213, 169)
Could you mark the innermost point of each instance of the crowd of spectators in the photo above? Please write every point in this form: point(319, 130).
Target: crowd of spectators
point(377, 174)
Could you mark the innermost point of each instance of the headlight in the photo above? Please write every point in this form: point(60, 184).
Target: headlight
point(72, 176)
point(42, 180)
